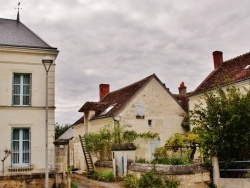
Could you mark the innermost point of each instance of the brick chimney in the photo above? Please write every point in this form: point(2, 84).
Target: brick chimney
point(218, 59)
point(103, 90)
point(183, 96)
point(182, 89)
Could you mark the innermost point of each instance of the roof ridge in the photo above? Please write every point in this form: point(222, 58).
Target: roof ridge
point(146, 78)
point(239, 56)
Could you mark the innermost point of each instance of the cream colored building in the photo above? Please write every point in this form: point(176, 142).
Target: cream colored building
point(22, 96)
point(235, 71)
point(146, 105)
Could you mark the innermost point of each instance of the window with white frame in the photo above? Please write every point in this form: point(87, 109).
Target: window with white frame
point(20, 147)
point(21, 95)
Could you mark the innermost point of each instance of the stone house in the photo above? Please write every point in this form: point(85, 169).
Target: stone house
point(146, 105)
point(235, 71)
point(23, 98)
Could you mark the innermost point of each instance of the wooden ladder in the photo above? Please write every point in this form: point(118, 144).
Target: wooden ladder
point(87, 156)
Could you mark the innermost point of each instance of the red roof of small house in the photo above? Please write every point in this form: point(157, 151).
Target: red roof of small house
point(230, 71)
point(113, 102)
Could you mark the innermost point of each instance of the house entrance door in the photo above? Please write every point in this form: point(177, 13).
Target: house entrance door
point(154, 144)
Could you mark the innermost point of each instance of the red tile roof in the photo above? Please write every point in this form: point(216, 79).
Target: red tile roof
point(230, 71)
point(118, 99)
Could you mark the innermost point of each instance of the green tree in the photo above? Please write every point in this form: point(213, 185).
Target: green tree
point(60, 129)
point(223, 123)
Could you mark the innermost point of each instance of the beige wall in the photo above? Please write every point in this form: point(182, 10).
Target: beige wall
point(159, 106)
point(20, 60)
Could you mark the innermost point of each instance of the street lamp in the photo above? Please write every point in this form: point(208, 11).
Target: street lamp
point(47, 62)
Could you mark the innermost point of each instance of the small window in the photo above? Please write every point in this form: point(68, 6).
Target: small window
point(21, 92)
point(150, 122)
point(247, 67)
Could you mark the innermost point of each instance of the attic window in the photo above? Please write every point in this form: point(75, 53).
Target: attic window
point(107, 110)
point(246, 67)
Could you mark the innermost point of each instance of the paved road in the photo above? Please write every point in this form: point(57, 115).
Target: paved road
point(84, 182)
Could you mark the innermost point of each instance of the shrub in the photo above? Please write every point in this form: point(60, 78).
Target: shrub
point(154, 180)
point(73, 185)
point(106, 176)
point(174, 160)
point(141, 160)
point(131, 182)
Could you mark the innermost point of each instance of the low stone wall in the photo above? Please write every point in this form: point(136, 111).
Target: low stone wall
point(234, 183)
point(190, 176)
point(36, 180)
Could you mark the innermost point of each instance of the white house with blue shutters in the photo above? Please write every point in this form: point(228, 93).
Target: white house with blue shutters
point(23, 98)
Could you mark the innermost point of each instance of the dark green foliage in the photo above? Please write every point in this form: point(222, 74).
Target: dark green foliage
point(131, 182)
point(60, 129)
point(173, 160)
point(141, 160)
point(153, 180)
point(223, 124)
point(73, 185)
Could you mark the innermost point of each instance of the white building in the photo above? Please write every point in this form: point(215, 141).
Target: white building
point(22, 96)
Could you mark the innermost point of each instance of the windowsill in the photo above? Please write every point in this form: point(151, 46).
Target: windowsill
point(139, 117)
point(17, 168)
point(21, 105)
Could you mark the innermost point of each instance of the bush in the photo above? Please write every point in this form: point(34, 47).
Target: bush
point(106, 176)
point(153, 180)
point(173, 160)
point(73, 185)
point(141, 160)
point(131, 182)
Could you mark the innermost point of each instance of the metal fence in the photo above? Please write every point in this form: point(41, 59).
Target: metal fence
point(234, 169)
point(25, 161)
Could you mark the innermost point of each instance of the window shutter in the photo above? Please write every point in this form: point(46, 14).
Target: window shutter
point(12, 89)
point(30, 90)
point(11, 147)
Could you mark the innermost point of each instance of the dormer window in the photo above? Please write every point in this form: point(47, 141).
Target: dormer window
point(139, 111)
point(107, 110)
point(247, 67)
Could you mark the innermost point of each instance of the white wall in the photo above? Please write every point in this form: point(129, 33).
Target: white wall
point(20, 60)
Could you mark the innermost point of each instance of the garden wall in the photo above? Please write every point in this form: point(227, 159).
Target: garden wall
point(234, 183)
point(33, 180)
point(190, 176)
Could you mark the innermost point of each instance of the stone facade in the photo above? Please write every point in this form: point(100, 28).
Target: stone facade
point(34, 180)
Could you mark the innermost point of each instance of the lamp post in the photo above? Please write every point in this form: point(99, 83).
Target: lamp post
point(47, 62)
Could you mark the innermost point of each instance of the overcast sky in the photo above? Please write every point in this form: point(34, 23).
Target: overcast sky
point(119, 42)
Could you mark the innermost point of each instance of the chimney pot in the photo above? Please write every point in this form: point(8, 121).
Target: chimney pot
point(182, 89)
point(218, 59)
point(103, 90)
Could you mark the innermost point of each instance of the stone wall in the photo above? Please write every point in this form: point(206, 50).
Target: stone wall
point(190, 176)
point(36, 180)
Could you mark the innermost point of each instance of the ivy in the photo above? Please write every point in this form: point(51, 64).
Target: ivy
point(100, 143)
